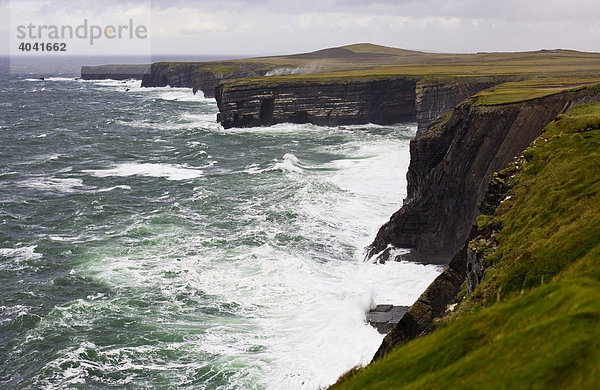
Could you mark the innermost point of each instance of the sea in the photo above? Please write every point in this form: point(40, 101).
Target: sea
point(144, 246)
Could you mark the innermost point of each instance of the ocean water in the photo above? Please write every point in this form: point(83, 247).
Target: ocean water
point(144, 246)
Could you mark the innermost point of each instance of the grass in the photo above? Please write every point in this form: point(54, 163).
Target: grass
point(511, 92)
point(533, 322)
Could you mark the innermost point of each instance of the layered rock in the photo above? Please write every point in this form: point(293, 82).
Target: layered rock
point(451, 165)
point(198, 76)
point(468, 264)
point(434, 98)
point(442, 294)
point(431, 304)
point(333, 102)
point(339, 101)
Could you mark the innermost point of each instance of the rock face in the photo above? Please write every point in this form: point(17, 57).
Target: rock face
point(198, 76)
point(435, 98)
point(114, 72)
point(467, 265)
point(245, 104)
point(430, 305)
point(451, 165)
point(381, 101)
point(385, 317)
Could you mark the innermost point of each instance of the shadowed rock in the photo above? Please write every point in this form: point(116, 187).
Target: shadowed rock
point(385, 317)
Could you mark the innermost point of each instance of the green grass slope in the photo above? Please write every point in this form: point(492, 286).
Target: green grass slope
point(534, 322)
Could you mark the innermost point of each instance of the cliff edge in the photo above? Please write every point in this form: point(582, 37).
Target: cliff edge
point(451, 165)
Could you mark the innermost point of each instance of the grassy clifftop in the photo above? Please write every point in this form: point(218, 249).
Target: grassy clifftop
point(561, 68)
point(533, 322)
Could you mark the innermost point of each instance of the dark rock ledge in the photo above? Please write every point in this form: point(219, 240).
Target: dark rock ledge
point(385, 317)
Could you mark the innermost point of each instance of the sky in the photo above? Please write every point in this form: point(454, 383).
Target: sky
point(267, 27)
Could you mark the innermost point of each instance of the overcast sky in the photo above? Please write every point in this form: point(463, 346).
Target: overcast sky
point(263, 27)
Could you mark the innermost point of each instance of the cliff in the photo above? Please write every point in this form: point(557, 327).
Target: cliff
point(198, 76)
point(335, 102)
point(528, 316)
point(340, 101)
point(466, 265)
point(451, 165)
point(114, 72)
point(434, 98)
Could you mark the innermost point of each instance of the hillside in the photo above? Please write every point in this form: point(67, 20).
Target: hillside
point(533, 321)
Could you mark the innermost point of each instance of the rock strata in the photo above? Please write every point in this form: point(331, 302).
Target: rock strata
point(468, 264)
point(198, 76)
point(451, 165)
point(342, 101)
point(261, 103)
point(430, 305)
point(434, 98)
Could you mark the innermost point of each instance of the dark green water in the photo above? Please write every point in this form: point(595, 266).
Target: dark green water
point(143, 246)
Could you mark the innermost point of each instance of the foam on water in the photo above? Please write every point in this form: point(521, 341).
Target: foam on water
point(57, 184)
point(19, 258)
point(290, 163)
point(184, 96)
point(245, 270)
point(20, 254)
point(119, 187)
point(296, 321)
point(50, 79)
point(168, 171)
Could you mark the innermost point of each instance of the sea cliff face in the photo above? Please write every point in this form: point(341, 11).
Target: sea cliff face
point(436, 98)
point(245, 104)
point(437, 300)
point(338, 102)
point(198, 76)
point(451, 165)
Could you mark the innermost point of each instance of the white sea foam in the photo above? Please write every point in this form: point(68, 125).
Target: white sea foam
point(16, 259)
point(168, 171)
point(119, 187)
point(162, 93)
point(275, 130)
point(60, 79)
point(200, 119)
point(278, 316)
point(51, 79)
point(21, 253)
point(304, 317)
point(64, 185)
point(183, 122)
point(129, 83)
point(184, 96)
point(8, 313)
point(290, 163)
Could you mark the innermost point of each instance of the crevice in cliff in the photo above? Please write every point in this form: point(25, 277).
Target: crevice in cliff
point(266, 111)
